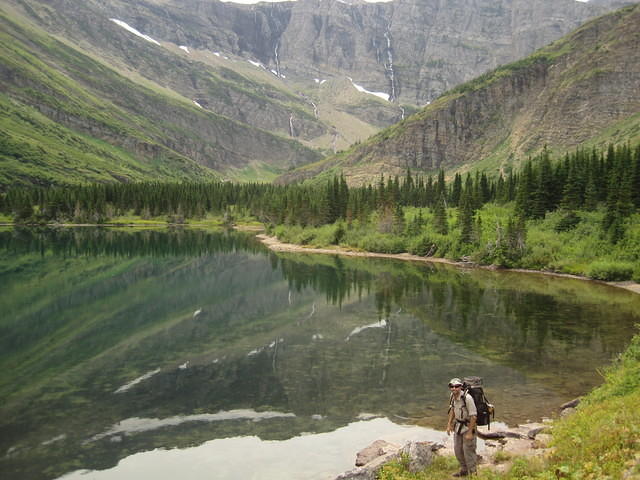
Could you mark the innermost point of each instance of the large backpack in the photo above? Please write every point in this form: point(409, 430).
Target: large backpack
point(473, 386)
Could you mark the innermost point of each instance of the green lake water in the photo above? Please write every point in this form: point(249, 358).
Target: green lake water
point(191, 354)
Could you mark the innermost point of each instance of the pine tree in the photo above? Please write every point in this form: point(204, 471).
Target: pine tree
point(456, 191)
point(440, 222)
point(524, 192)
point(398, 220)
point(465, 217)
point(635, 179)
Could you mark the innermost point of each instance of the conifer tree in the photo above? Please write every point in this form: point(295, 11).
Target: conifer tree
point(635, 179)
point(524, 192)
point(465, 217)
point(456, 191)
point(441, 224)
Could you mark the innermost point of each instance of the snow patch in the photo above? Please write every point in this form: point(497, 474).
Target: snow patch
point(129, 28)
point(138, 425)
point(381, 324)
point(55, 439)
point(184, 365)
point(132, 383)
point(367, 416)
point(256, 64)
point(384, 96)
point(185, 48)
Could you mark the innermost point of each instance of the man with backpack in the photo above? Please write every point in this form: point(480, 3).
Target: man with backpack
point(462, 422)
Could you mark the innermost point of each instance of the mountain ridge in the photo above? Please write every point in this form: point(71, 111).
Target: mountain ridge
point(580, 89)
point(151, 83)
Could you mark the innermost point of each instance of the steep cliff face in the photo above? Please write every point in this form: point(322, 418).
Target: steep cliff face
point(410, 50)
point(581, 88)
point(413, 50)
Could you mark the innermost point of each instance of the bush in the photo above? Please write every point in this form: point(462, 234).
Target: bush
point(567, 222)
point(431, 245)
point(424, 246)
point(381, 243)
point(611, 271)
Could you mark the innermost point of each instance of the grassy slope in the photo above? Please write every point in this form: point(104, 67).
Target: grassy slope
point(37, 148)
point(67, 117)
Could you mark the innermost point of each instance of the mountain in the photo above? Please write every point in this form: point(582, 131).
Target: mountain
point(68, 116)
point(410, 51)
point(166, 89)
point(581, 90)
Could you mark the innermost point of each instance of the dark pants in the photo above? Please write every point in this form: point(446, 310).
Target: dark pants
point(465, 451)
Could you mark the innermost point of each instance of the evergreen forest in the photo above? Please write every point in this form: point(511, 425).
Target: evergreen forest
point(576, 214)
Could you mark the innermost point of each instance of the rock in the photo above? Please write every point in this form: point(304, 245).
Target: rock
point(567, 411)
point(420, 456)
point(535, 431)
point(542, 440)
point(572, 404)
point(376, 449)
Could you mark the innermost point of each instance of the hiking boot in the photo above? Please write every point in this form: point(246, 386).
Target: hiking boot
point(461, 474)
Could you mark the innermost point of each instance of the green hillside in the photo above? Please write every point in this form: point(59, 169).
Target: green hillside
point(68, 118)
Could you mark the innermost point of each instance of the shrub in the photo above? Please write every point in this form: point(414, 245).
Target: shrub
point(424, 245)
point(611, 271)
point(377, 242)
point(567, 222)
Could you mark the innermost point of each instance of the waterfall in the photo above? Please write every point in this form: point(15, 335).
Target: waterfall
point(291, 125)
point(389, 65)
point(277, 59)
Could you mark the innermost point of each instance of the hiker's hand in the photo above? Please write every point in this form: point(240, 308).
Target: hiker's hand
point(468, 435)
point(449, 429)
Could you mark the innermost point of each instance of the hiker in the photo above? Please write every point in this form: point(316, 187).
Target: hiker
point(462, 422)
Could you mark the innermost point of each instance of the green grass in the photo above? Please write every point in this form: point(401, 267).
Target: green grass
point(67, 117)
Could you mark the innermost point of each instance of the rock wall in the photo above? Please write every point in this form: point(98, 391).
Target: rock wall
point(414, 50)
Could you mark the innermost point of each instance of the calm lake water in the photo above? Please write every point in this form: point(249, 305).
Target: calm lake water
point(192, 355)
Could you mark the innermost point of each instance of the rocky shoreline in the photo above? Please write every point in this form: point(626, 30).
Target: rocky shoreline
point(496, 449)
point(277, 246)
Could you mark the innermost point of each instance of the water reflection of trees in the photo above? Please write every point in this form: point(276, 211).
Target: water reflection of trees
point(94, 241)
point(480, 308)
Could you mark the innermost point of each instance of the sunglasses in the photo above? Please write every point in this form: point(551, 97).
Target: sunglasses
point(455, 386)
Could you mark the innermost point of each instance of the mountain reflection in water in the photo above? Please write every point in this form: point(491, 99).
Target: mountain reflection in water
point(118, 342)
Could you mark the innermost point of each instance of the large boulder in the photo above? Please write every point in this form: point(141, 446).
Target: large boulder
point(372, 458)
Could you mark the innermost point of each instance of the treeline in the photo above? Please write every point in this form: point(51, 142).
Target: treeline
point(581, 180)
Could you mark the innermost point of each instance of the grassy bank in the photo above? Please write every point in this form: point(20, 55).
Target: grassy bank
point(600, 441)
point(563, 242)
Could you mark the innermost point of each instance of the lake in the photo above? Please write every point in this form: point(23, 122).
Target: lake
point(156, 354)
